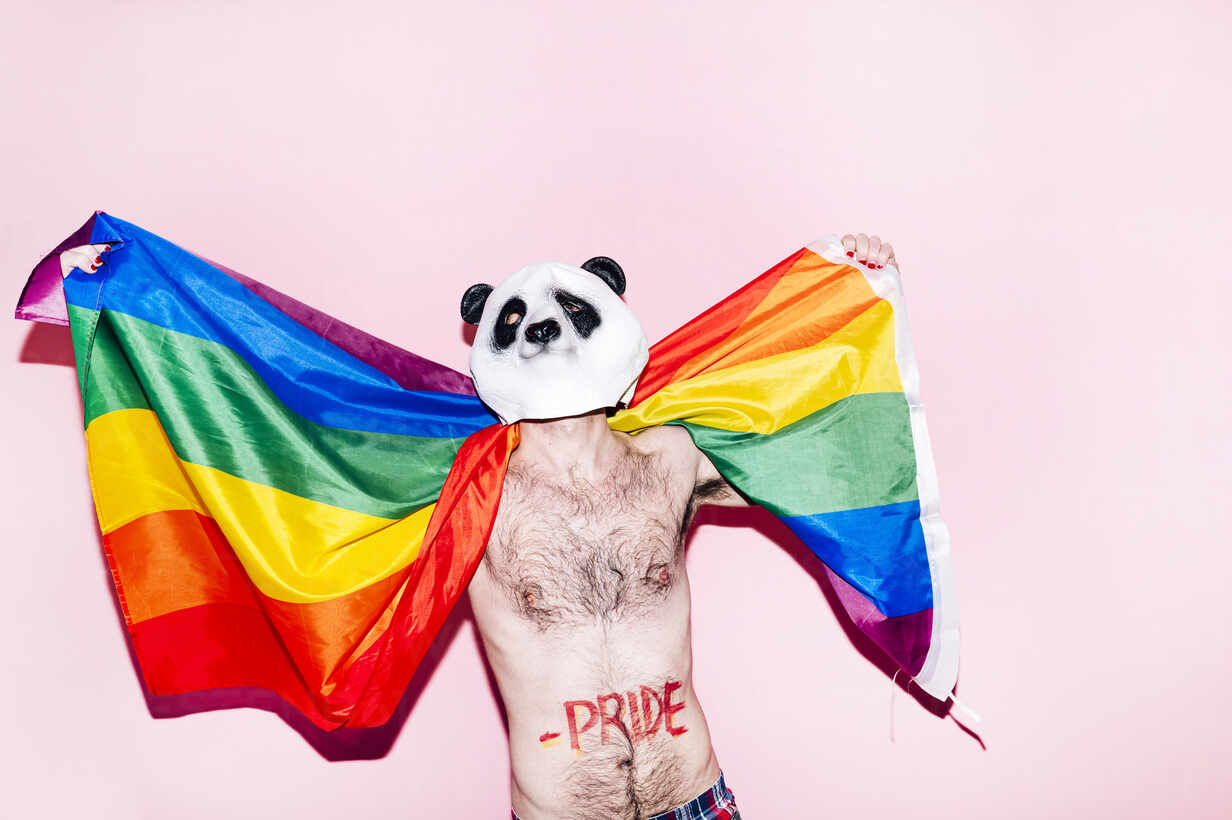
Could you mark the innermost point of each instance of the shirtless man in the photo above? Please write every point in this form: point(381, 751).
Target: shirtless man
point(582, 597)
point(582, 601)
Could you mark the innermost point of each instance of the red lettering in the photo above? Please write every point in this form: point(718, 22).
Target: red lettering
point(647, 709)
point(670, 708)
point(571, 715)
point(635, 716)
point(649, 727)
point(607, 720)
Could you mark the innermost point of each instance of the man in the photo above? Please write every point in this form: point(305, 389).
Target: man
point(582, 598)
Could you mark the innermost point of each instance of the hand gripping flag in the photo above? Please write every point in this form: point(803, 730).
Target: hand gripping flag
point(291, 504)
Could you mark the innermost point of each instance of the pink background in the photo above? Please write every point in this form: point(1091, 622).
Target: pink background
point(1055, 182)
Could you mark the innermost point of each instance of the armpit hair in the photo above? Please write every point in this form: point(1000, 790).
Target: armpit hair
point(710, 489)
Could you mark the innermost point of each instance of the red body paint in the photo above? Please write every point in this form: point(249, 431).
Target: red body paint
point(645, 715)
point(651, 725)
point(606, 720)
point(635, 716)
point(670, 708)
point(571, 714)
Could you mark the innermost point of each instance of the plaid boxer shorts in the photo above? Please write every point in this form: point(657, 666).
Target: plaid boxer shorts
point(715, 803)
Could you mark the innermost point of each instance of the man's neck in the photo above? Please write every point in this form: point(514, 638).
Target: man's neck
point(575, 446)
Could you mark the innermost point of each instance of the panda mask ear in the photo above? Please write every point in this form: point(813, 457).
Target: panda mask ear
point(473, 301)
point(607, 270)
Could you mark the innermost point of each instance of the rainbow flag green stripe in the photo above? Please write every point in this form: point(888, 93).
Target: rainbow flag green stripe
point(211, 399)
point(832, 442)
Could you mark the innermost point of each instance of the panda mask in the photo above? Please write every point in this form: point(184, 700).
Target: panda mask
point(554, 341)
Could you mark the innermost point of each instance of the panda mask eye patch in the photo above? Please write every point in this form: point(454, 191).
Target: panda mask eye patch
point(507, 323)
point(580, 313)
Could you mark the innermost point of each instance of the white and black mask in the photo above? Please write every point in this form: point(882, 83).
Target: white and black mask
point(555, 341)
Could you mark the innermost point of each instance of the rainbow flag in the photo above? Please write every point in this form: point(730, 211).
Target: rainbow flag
point(291, 505)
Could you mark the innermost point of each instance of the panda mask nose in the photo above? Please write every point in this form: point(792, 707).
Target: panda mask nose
point(543, 332)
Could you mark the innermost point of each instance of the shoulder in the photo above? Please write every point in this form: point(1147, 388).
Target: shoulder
point(666, 441)
point(672, 444)
point(672, 449)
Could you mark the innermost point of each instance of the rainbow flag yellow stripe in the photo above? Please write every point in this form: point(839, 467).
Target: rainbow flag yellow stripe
point(293, 548)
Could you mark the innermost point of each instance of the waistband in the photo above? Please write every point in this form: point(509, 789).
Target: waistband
point(715, 803)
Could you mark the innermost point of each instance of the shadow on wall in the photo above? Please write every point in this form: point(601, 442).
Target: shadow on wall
point(764, 523)
point(47, 344)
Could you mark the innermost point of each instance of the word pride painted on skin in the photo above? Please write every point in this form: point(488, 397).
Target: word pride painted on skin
point(637, 715)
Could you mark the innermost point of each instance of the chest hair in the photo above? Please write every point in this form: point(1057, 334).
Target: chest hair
point(566, 550)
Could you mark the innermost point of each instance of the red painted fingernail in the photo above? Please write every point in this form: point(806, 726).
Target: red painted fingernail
point(863, 261)
point(98, 260)
point(92, 267)
point(851, 253)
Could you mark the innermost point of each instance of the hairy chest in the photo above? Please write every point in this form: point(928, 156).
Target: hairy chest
point(563, 552)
